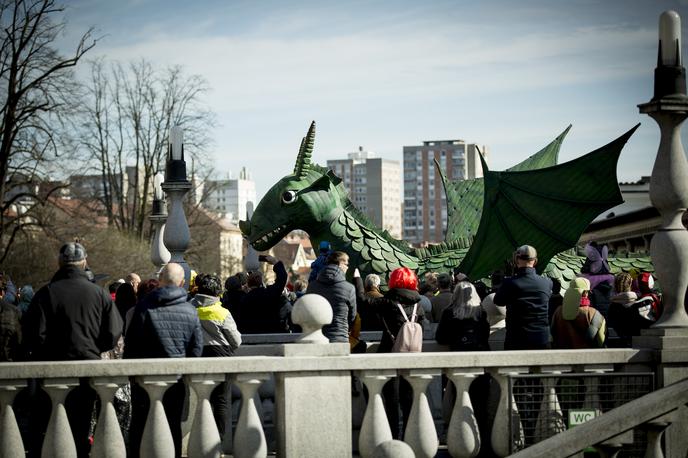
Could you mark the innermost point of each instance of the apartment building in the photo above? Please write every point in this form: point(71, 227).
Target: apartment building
point(425, 204)
point(374, 186)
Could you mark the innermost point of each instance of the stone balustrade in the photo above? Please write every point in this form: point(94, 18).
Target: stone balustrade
point(296, 377)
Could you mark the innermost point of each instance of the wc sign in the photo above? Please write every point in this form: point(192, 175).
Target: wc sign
point(578, 417)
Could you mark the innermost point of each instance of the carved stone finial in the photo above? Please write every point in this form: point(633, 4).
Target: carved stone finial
point(312, 312)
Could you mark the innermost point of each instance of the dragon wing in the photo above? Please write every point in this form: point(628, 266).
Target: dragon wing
point(547, 208)
point(465, 197)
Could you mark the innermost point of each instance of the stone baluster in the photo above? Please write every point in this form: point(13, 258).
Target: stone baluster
point(375, 427)
point(550, 419)
point(59, 442)
point(505, 429)
point(592, 399)
point(420, 431)
point(463, 435)
point(204, 439)
point(655, 430)
point(108, 441)
point(10, 439)
point(249, 437)
point(157, 437)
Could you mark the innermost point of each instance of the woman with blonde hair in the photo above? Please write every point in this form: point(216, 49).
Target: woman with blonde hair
point(463, 325)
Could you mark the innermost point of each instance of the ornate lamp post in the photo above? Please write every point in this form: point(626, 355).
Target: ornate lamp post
point(177, 235)
point(160, 255)
point(669, 182)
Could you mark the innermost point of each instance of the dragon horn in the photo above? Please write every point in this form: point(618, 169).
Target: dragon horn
point(303, 160)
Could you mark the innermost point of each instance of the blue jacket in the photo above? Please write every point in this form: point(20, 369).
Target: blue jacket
point(526, 297)
point(164, 325)
point(332, 285)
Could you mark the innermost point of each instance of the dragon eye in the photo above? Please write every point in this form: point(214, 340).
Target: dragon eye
point(289, 197)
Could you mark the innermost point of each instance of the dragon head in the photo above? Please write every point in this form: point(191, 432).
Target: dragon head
point(307, 199)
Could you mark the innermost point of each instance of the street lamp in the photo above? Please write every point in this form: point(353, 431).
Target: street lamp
point(160, 255)
point(669, 181)
point(176, 236)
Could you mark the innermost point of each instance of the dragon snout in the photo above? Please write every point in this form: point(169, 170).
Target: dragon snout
point(245, 227)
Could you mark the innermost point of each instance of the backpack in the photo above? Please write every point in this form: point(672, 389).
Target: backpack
point(410, 335)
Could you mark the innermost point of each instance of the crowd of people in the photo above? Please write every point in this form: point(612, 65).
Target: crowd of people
point(72, 318)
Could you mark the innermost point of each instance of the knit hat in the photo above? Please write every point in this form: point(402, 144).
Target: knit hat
point(572, 297)
point(72, 252)
point(526, 252)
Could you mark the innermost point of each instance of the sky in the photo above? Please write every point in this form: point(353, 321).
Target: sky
point(387, 74)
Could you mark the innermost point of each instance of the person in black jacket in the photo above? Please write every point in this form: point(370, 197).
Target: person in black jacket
point(259, 309)
point(72, 319)
point(332, 285)
point(164, 325)
point(526, 297)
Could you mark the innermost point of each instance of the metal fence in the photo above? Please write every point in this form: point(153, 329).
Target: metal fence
point(547, 404)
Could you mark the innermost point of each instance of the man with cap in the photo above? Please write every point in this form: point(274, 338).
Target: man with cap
point(71, 318)
point(526, 297)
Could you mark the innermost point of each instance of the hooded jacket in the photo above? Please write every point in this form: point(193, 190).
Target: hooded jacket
point(164, 325)
point(70, 319)
point(575, 325)
point(332, 285)
point(220, 334)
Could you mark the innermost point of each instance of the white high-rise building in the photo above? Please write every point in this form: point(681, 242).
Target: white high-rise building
point(425, 203)
point(231, 196)
point(374, 186)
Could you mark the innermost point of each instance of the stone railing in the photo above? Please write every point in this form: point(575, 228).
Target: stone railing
point(654, 413)
point(313, 402)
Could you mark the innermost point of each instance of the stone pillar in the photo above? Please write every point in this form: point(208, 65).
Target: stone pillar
point(160, 255)
point(59, 441)
point(10, 439)
point(669, 246)
point(177, 236)
point(311, 404)
point(108, 441)
point(249, 436)
point(463, 435)
point(157, 437)
point(420, 431)
point(375, 427)
point(505, 429)
point(204, 440)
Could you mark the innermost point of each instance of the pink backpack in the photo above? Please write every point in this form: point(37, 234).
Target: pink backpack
point(410, 335)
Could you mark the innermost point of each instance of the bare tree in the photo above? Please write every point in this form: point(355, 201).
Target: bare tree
point(126, 120)
point(37, 88)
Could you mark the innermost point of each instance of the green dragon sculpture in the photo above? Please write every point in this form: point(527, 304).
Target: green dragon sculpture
point(536, 202)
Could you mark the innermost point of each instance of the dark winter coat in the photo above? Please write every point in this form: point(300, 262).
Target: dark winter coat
point(370, 321)
point(332, 285)
point(463, 334)
point(10, 331)
point(164, 325)
point(391, 317)
point(259, 310)
point(70, 319)
point(526, 297)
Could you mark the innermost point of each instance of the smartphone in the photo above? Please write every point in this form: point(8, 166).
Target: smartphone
point(262, 258)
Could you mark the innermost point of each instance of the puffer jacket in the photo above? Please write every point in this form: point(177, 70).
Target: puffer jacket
point(164, 325)
point(70, 319)
point(332, 285)
point(220, 334)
